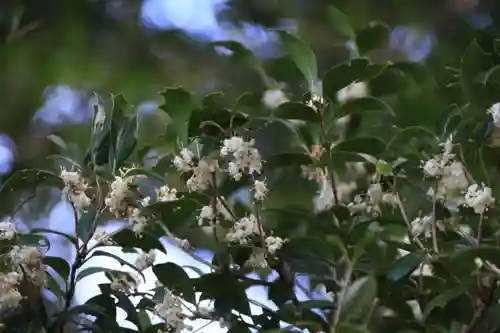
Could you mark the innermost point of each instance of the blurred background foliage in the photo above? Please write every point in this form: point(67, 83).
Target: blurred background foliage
point(56, 53)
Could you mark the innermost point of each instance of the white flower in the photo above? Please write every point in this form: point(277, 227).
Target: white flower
point(357, 205)
point(243, 230)
point(353, 91)
point(10, 297)
point(74, 189)
point(421, 225)
point(184, 162)
point(123, 283)
point(171, 311)
point(8, 230)
point(245, 158)
point(479, 198)
point(206, 213)
point(115, 200)
point(273, 244)
point(182, 243)
point(166, 194)
point(374, 192)
point(432, 168)
point(137, 221)
point(145, 260)
point(494, 110)
point(274, 98)
point(30, 259)
point(316, 102)
point(102, 237)
point(260, 190)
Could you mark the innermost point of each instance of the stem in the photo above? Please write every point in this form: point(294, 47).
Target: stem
point(341, 295)
point(434, 224)
point(479, 230)
point(415, 240)
point(327, 143)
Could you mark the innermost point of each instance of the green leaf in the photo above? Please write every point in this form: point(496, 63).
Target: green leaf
point(34, 240)
point(29, 179)
point(59, 265)
point(126, 140)
point(54, 287)
point(343, 74)
point(127, 239)
point(93, 270)
point(70, 238)
point(317, 304)
point(241, 54)
point(442, 299)
point(369, 146)
point(358, 298)
point(99, 253)
point(347, 328)
point(110, 137)
point(175, 279)
point(475, 61)
point(302, 56)
point(298, 111)
point(374, 36)
point(86, 225)
point(405, 265)
point(143, 320)
point(365, 104)
point(340, 22)
point(179, 104)
point(288, 159)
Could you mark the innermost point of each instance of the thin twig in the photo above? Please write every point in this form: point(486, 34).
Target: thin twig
point(341, 295)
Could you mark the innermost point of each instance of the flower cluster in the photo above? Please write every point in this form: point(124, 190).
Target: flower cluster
point(201, 170)
point(8, 230)
point(29, 261)
point(244, 157)
point(10, 297)
point(479, 198)
point(74, 189)
point(171, 311)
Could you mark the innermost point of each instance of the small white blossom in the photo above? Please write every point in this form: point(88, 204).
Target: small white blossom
point(421, 225)
point(479, 198)
point(494, 110)
point(374, 192)
point(260, 190)
point(273, 244)
point(145, 260)
point(8, 230)
point(182, 243)
point(30, 259)
point(115, 200)
point(245, 158)
point(10, 297)
point(166, 194)
point(123, 282)
point(137, 221)
point(74, 189)
point(171, 311)
point(353, 91)
point(432, 168)
point(102, 237)
point(243, 230)
point(184, 162)
point(274, 98)
point(316, 102)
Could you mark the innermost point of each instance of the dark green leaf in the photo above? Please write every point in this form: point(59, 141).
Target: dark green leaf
point(99, 253)
point(343, 74)
point(126, 238)
point(179, 104)
point(302, 56)
point(110, 136)
point(405, 265)
point(93, 270)
point(359, 298)
point(34, 240)
point(340, 22)
point(369, 146)
point(29, 179)
point(287, 159)
point(442, 299)
point(126, 140)
point(59, 265)
point(372, 37)
point(86, 225)
point(298, 111)
point(241, 54)
point(317, 304)
point(175, 279)
point(54, 232)
point(366, 104)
